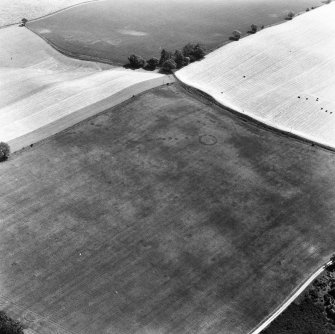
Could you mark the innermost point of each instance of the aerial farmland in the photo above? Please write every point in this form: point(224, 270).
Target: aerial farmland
point(147, 201)
point(44, 92)
point(12, 11)
point(282, 76)
point(165, 215)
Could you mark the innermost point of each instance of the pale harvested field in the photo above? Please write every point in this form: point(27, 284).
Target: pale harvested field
point(43, 92)
point(164, 215)
point(12, 11)
point(283, 76)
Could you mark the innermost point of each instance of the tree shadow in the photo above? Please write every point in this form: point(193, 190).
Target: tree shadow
point(128, 67)
point(149, 68)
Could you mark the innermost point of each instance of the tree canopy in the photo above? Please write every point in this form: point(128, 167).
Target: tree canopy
point(169, 65)
point(136, 61)
point(152, 63)
point(165, 55)
point(237, 35)
point(254, 28)
point(4, 151)
point(193, 51)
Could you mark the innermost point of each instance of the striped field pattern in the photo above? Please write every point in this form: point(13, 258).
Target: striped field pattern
point(283, 76)
point(43, 92)
point(12, 11)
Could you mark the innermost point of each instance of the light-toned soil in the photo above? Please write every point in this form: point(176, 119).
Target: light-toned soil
point(282, 76)
point(164, 215)
point(43, 92)
point(12, 11)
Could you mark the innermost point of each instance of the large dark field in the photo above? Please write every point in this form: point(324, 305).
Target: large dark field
point(112, 30)
point(163, 215)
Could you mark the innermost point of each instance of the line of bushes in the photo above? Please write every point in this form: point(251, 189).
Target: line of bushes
point(236, 35)
point(191, 52)
point(169, 61)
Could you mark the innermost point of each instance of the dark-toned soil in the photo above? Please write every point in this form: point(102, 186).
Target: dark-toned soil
point(163, 215)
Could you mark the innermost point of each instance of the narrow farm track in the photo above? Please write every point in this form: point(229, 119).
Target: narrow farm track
point(289, 301)
point(282, 76)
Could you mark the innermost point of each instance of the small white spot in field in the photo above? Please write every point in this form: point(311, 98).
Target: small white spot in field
point(312, 250)
point(132, 32)
point(44, 31)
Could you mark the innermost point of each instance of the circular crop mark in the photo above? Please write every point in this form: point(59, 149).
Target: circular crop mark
point(208, 140)
point(30, 317)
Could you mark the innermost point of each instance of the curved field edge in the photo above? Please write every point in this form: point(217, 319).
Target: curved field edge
point(18, 9)
point(267, 76)
point(43, 91)
point(75, 55)
point(199, 89)
point(202, 94)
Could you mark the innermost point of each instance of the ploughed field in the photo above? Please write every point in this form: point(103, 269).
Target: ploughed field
point(43, 92)
point(163, 215)
point(283, 76)
point(112, 30)
point(12, 11)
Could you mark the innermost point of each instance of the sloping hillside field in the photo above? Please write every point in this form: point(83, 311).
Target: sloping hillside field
point(283, 76)
point(43, 92)
point(111, 30)
point(12, 11)
point(163, 215)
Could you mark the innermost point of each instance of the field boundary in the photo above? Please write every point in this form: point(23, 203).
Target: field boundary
point(52, 13)
point(73, 55)
point(63, 10)
point(200, 94)
point(267, 321)
point(68, 121)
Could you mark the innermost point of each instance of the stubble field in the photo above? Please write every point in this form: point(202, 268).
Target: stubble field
point(43, 92)
point(283, 76)
point(12, 11)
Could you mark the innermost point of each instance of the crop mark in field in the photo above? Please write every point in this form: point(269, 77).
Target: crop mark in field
point(276, 108)
point(208, 140)
point(35, 322)
point(29, 317)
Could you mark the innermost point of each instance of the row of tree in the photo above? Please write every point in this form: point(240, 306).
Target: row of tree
point(169, 60)
point(236, 35)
